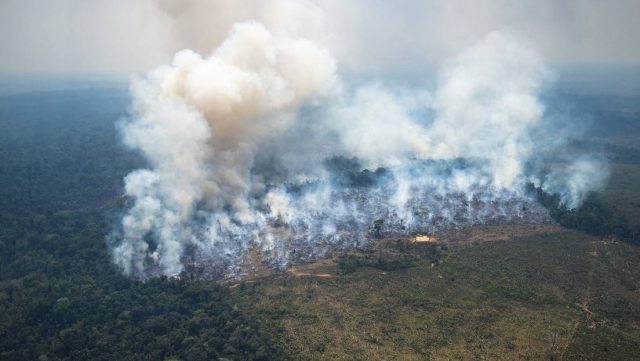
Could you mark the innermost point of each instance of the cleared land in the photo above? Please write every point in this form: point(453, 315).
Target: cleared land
point(495, 293)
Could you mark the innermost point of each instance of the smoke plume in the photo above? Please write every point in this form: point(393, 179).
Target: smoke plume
point(261, 146)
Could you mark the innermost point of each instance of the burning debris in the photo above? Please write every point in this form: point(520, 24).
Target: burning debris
point(242, 145)
point(370, 216)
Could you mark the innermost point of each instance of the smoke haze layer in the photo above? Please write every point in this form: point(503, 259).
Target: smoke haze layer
point(261, 145)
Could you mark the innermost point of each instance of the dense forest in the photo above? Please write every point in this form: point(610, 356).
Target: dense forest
point(60, 296)
point(594, 216)
point(62, 299)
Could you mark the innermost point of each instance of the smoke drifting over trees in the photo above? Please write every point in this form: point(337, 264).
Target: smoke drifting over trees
point(239, 144)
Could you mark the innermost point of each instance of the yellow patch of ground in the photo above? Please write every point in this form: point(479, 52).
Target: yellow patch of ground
point(423, 239)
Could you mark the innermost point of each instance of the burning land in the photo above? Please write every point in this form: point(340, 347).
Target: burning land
point(248, 153)
point(358, 215)
point(320, 180)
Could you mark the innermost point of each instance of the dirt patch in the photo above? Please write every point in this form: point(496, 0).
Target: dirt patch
point(300, 273)
point(325, 268)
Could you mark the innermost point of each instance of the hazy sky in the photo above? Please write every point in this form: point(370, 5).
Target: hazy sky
point(54, 37)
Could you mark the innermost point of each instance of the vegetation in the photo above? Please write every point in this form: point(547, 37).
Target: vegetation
point(622, 192)
point(348, 172)
point(392, 255)
point(60, 295)
point(532, 293)
point(594, 216)
point(60, 298)
point(501, 292)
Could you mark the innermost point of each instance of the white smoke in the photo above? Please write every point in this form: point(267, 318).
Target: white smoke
point(487, 104)
point(238, 141)
point(198, 122)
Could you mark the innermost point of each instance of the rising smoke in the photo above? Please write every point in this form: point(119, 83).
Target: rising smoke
point(261, 146)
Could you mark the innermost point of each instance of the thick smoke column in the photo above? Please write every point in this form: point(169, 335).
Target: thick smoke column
point(199, 122)
point(242, 148)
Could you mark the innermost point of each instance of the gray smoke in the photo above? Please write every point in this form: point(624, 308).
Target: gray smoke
point(261, 146)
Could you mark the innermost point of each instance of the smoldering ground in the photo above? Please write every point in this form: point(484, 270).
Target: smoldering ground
point(260, 146)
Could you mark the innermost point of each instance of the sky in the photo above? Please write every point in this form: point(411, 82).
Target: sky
point(121, 37)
